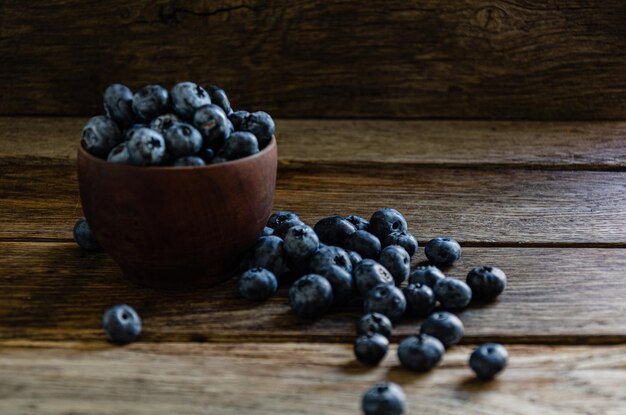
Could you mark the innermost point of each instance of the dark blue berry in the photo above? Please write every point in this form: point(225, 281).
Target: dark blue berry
point(206, 154)
point(310, 296)
point(278, 218)
point(301, 242)
point(442, 251)
point(282, 229)
point(486, 282)
point(361, 224)
point(363, 242)
point(257, 284)
point(402, 238)
point(84, 237)
point(488, 359)
point(368, 274)
point(121, 324)
point(397, 261)
point(371, 348)
point(428, 275)
point(100, 135)
point(219, 98)
point(128, 134)
point(240, 144)
point(261, 125)
point(267, 231)
point(334, 230)
point(420, 353)
point(189, 161)
point(118, 104)
point(237, 118)
point(384, 399)
point(385, 221)
point(330, 255)
point(268, 253)
point(163, 122)
point(385, 299)
point(146, 147)
point(445, 326)
point(150, 102)
point(452, 293)
point(187, 97)
point(119, 154)
point(355, 258)
point(374, 323)
point(212, 123)
point(341, 281)
point(181, 139)
point(420, 299)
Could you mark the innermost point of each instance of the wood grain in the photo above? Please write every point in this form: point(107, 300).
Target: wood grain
point(595, 145)
point(54, 292)
point(300, 378)
point(456, 58)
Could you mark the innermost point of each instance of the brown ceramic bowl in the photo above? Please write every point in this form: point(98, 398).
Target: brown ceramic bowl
point(178, 227)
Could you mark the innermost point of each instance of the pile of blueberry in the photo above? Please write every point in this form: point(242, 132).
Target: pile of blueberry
point(187, 126)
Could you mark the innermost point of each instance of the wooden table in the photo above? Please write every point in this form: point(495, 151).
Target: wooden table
point(545, 201)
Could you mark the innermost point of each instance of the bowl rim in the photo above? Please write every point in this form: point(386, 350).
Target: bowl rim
point(271, 146)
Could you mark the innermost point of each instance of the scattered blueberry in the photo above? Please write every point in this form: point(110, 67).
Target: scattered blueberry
point(368, 274)
point(442, 251)
point(267, 231)
point(374, 323)
point(261, 125)
point(361, 224)
point(84, 237)
point(237, 118)
point(181, 139)
point(282, 229)
point(189, 161)
point(310, 296)
point(384, 399)
point(146, 147)
point(219, 98)
point(363, 242)
point(150, 102)
point(278, 218)
point(330, 255)
point(420, 353)
point(239, 144)
point(428, 275)
point(385, 221)
point(386, 299)
point(257, 284)
point(402, 238)
point(488, 359)
point(452, 293)
point(212, 123)
point(334, 230)
point(100, 135)
point(355, 258)
point(118, 104)
point(119, 154)
point(486, 282)
point(371, 348)
point(187, 97)
point(445, 326)
point(300, 242)
point(268, 253)
point(397, 261)
point(341, 281)
point(163, 122)
point(121, 324)
point(420, 299)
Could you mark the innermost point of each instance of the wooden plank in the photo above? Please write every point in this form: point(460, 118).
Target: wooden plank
point(386, 58)
point(503, 206)
point(54, 292)
point(567, 145)
point(302, 378)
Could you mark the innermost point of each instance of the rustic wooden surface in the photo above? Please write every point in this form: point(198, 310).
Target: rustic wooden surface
point(545, 201)
point(456, 58)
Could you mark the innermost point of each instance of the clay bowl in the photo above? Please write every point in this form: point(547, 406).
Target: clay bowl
point(178, 227)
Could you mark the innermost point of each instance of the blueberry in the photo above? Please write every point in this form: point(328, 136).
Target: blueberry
point(100, 135)
point(257, 284)
point(206, 154)
point(146, 147)
point(420, 353)
point(361, 224)
point(442, 251)
point(486, 282)
point(282, 229)
point(219, 98)
point(428, 275)
point(181, 139)
point(189, 161)
point(261, 125)
point(327, 256)
point(279, 218)
point(397, 261)
point(374, 323)
point(212, 123)
point(368, 274)
point(402, 238)
point(445, 326)
point(310, 296)
point(488, 359)
point(118, 104)
point(187, 97)
point(128, 134)
point(150, 102)
point(386, 299)
point(240, 144)
point(237, 118)
point(341, 281)
point(121, 324)
point(301, 242)
point(163, 122)
point(334, 230)
point(355, 258)
point(385, 221)
point(452, 293)
point(371, 348)
point(119, 154)
point(420, 299)
point(363, 242)
point(267, 231)
point(384, 399)
point(268, 253)
point(84, 237)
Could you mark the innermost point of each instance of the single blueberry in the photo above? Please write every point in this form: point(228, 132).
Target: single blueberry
point(361, 224)
point(363, 242)
point(84, 237)
point(310, 296)
point(404, 239)
point(486, 282)
point(282, 229)
point(355, 258)
point(386, 299)
point(267, 231)
point(163, 122)
point(146, 147)
point(371, 348)
point(119, 154)
point(150, 102)
point(452, 293)
point(341, 281)
point(385, 221)
point(442, 251)
point(279, 218)
point(121, 324)
point(374, 323)
point(334, 230)
point(445, 326)
point(219, 98)
point(261, 125)
point(257, 284)
point(420, 353)
point(212, 123)
point(397, 261)
point(420, 299)
point(327, 256)
point(301, 242)
point(189, 161)
point(118, 104)
point(237, 118)
point(428, 275)
point(187, 97)
point(368, 274)
point(268, 253)
point(100, 135)
point(240, 144)
point(488, 359)
point(181, 139)
point(384, 399)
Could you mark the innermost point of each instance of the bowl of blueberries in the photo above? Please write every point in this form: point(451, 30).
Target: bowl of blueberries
point(175, 185)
